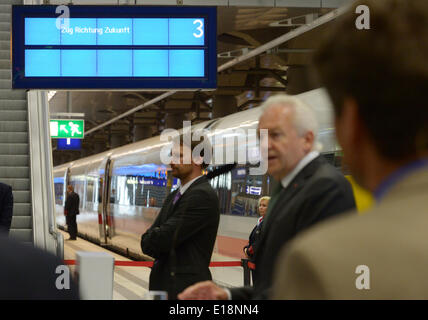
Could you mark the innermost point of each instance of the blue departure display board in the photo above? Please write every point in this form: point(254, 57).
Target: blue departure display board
point(114, 47)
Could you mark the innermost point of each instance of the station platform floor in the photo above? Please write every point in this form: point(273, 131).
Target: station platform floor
point(131, 283)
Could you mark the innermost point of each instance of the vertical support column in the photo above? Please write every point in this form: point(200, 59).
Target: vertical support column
point(45, 235)
point(246, 273)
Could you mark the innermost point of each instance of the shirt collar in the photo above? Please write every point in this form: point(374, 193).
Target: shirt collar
point(397, 176)
point(306, 159)
point(187, 185)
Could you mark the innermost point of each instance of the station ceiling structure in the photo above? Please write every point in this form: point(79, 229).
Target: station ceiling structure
point(243, 27)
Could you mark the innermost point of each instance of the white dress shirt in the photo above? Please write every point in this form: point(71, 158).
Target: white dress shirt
point(302, 163)
point(187, 185)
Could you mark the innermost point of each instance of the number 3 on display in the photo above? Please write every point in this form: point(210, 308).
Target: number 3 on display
point(199, 28)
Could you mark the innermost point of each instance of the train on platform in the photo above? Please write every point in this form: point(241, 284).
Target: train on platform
point(122, 190)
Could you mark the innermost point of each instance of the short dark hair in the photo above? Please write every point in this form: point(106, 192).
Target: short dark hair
point(194, 143)
point(385, 69)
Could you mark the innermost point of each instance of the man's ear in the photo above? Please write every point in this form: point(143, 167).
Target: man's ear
point(309, 140)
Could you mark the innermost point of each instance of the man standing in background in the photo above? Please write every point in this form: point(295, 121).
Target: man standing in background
point(71, 210)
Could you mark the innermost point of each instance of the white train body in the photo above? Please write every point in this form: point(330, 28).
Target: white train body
point(121, 190)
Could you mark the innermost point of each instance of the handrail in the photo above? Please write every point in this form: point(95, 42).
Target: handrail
point(246, 264)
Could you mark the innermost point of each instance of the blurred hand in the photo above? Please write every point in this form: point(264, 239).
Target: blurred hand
point(205, 290)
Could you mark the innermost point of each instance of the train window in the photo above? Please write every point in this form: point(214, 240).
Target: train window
point(239, 192)
point(143, 186)
point(90, 189)
point(59, 190)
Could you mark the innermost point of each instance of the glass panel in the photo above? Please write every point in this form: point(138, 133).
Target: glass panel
point(151, 63)
point(186, 63)
point(42, 63)
point(189, 32)
point(150, 32)
point(114, 63)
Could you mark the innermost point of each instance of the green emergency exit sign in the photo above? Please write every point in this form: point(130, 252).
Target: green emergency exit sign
point(67, 128)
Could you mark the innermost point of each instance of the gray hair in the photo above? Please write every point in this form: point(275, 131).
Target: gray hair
point(304, 119)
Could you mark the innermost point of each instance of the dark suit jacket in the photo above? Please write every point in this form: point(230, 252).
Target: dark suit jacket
point(319, 191)
point(29, 273)
point(253, 240)
point(182, 239)
point(6, 207)
point(72, 204)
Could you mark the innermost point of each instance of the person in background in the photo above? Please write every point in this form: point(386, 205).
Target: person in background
point(71, 210)
point(378, 81)
point(308, 190)
point(251, 248)
point(182, 237)
point(6, 208)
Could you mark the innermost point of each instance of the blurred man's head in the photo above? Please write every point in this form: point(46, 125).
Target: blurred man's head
point(188, 158)
point(378, 81)
point(292, 130)
point(70, 188)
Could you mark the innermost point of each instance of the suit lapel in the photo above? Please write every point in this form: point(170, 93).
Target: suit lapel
point(166, 207)
point(173, 205)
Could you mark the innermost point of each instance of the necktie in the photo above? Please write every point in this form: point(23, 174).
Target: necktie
point(177, 196)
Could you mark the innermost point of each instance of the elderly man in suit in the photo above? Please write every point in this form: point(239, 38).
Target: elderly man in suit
point(378, 80)
point(309, 190)
point(182, 237)
point(6, 208)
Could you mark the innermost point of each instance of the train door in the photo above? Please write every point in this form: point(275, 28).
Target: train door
point(102, 186)
point(108, 205)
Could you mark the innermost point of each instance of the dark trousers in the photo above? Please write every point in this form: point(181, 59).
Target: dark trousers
point(71, 226)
